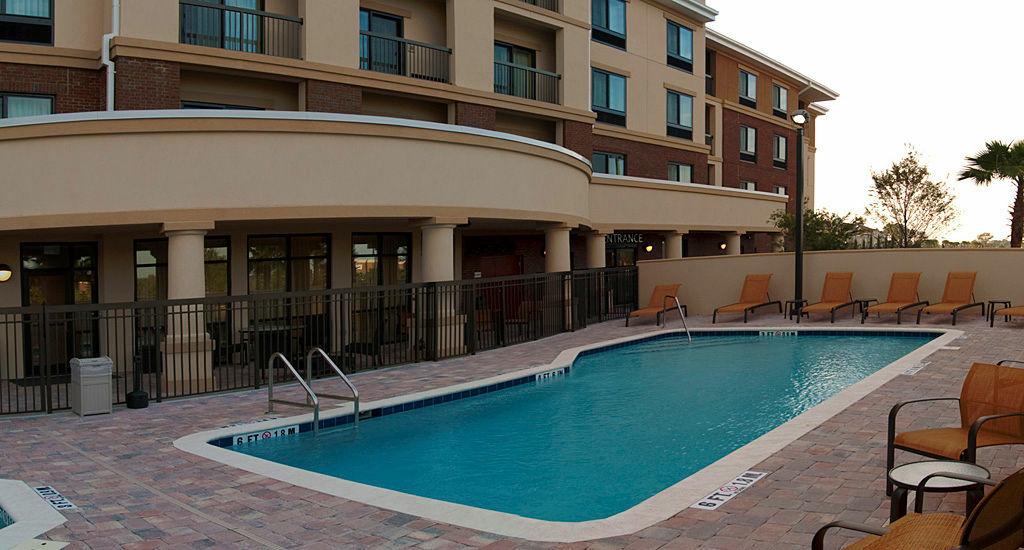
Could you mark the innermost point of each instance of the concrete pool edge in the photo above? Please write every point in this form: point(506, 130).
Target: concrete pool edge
point(654, 509)
point(32, 515)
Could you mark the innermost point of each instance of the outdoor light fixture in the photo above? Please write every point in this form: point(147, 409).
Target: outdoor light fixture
point(5, 273)
point(800, 117)
point(723, 245)
point(649, 247)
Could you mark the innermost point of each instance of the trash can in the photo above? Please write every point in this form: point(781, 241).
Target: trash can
point(91, 391)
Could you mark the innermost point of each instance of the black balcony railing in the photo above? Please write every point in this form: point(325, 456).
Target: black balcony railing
point(525, 82)
point(394, 55)
point(239, 29)
point(178, 348)
point(546, 4)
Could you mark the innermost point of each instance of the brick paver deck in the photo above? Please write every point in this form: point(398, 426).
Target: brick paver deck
point(135, 490)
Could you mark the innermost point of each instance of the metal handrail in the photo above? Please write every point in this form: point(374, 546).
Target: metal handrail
point(355, 393)
point(681, 316)
point(247, 11)
point(311, 399)
point(528, 69)
point(405, 41)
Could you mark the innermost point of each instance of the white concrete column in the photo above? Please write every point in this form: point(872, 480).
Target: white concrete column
point(674, 244)
point(557, 256)
point(732, 243)
point(438, 256)
point(596, 250)
point(186, 269)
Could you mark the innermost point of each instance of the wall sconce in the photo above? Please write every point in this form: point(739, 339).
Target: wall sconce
point(5, 273)
point(722, 245)
point(649, 248)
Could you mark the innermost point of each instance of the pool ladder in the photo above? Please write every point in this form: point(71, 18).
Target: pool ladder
point(312, 400)
point(682, 317)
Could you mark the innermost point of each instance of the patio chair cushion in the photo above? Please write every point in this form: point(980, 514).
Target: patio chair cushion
point(888, 307)
point(950, 442)
point(917, 531)
point(1010, 311)
point(738, 308)
point(822, 307)
point(945, 307)
point(647, 311)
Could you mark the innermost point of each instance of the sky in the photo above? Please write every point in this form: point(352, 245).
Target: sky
point(936, 74)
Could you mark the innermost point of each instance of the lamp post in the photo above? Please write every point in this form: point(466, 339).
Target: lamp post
point(800, 117)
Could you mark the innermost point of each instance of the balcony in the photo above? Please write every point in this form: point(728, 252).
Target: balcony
point(546, 4)
point(240, 29)
point(399, 56)
point(525, 82)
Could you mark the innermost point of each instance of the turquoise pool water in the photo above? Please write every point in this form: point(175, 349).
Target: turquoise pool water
point(5, 519)
point(621, 426)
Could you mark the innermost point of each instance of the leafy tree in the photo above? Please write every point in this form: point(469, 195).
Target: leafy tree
point(909, 205)
point(823, 230)
point(984, 239)
point(1002, 161)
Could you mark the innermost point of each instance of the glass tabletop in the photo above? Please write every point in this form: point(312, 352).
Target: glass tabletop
point(912, 473)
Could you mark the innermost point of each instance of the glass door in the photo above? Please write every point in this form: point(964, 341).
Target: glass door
point(380, 53)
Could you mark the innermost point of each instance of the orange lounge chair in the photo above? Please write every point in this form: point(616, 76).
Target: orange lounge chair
point(957, 296)
point(902, 296)
point(662, 296)
point(753, 296)
point(835, 295)
point(991, 413)
point(1006, 313)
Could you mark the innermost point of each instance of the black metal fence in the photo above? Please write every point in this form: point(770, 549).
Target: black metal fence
point(179, 348)
point(240, 29)
point(546, 4)
point(525, 82)
point(394, 55)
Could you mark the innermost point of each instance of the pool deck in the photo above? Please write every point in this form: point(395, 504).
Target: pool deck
point(135, 490)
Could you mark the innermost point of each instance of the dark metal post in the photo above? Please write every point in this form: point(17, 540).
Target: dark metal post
point(798, 235)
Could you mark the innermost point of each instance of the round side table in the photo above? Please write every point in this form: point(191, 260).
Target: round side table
point(906, 477)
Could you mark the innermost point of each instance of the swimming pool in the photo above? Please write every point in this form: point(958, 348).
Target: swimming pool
point(603, 438)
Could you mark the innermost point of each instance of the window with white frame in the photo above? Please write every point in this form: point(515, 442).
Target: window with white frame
point(679, 115)
point(748, 143)
point(682, 173)
point(780, 101)
point(748, 89)
point(779, 190)
point(680, 47)
point(779, 144)
point(748, 186)
point(609, 163)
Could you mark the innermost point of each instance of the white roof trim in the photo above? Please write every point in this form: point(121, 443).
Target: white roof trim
point(281, 115)
point(692, 8)
point(719, 40)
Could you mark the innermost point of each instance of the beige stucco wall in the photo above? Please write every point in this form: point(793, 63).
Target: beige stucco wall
point(152, 20)
point(712, 282)
point(80, 24)
point(633, 203)
point(188, 169)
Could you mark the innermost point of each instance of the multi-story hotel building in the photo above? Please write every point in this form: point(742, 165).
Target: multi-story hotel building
point(171, 148)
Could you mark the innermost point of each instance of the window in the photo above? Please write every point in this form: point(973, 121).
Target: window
point(683, 173)
point(224, 28)
point(679, 115)
point(16, 105)
point(151, 268)
point(609, 163)
point(779, 151)
point(377, 51)
point(609, 22)
point(284, 263)
point(748, 186)
point(780, 101)
point(680, 47)
point(26, 21)
point(709, 72)
point(779, 190)
point(609, 97)
point(205, 105)
point(511, 76)
point(748, 89)
point(748, 143)
point(381, 259)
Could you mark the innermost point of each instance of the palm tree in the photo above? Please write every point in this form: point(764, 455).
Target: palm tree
point(1001, 161)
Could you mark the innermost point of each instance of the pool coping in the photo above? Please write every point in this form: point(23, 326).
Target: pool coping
point(32, 515)
point(652, 510)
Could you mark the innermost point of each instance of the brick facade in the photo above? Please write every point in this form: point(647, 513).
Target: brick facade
point(579, 137)
point(763, 173)
point(644, 160)
point(477, 116)
point(333, 97)
point(73, 90)
point(146, 84)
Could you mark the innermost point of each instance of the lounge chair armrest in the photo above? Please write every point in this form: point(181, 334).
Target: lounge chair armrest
point(819, 537)
point(898, 406)
point(972, 435)
point(919, 500)
point(1005, 361)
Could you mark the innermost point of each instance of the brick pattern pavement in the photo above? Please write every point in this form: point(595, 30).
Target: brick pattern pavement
point(135, 490)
